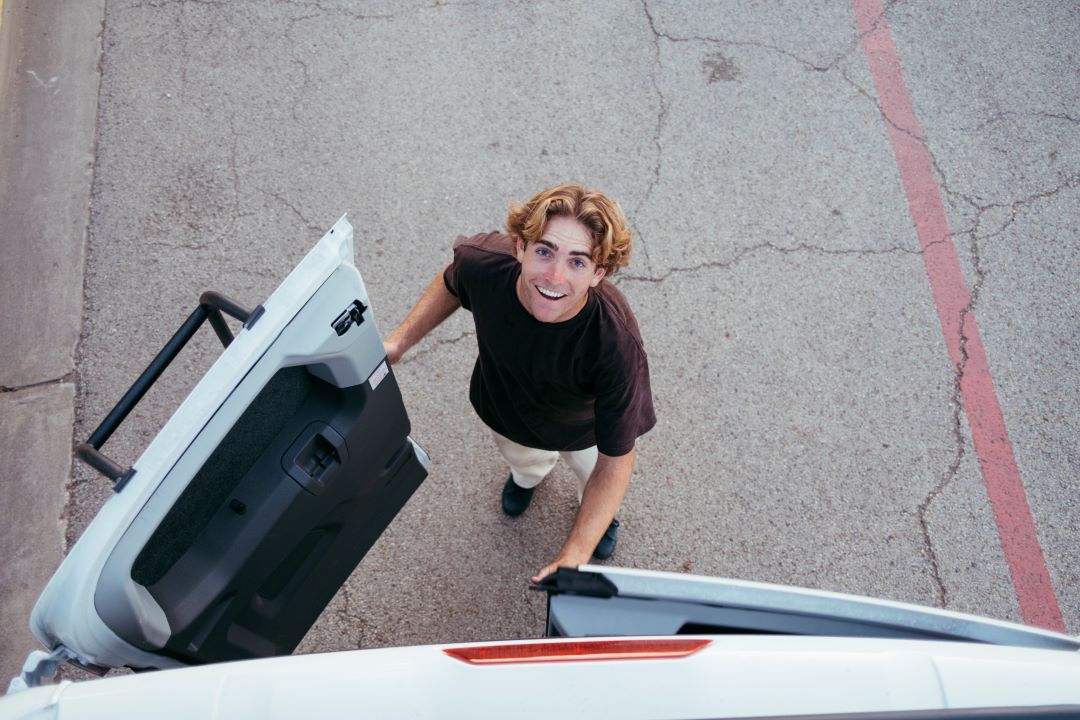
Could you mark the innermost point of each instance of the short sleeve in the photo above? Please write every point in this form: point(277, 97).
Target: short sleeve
point(472, 253)
point(624, 406)
point(450, 280)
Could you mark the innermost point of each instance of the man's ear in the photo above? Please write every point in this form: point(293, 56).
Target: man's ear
point(598, 275)
point(519, 249)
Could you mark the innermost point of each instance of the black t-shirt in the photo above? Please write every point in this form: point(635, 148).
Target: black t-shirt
point(552, 386)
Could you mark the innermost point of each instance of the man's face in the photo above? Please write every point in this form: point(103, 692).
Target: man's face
point(557, 271)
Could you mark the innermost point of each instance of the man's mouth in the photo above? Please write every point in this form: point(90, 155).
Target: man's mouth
point(549, 294)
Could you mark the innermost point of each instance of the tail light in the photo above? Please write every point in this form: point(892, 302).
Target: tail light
point(579, 650)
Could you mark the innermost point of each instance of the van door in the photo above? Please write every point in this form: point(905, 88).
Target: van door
point(258, 498)
point(609, 601)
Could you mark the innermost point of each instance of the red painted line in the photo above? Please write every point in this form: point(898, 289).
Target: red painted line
point(1038, 603)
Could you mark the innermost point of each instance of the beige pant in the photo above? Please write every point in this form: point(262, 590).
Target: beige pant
point(529, 466)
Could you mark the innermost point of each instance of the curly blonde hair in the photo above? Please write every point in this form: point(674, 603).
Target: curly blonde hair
point(601, 215)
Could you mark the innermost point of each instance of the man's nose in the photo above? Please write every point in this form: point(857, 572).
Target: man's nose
point(555, 273)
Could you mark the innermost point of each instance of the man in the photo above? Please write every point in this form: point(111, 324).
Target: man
point(561, 368)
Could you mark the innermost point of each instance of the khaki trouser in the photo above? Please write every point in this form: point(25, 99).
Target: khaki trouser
point(529, 466)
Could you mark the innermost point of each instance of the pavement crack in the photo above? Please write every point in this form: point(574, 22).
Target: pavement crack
point(918, 137)
point(733, 43)
point(921, 138)
point(1059, 116)
point(294, 57)
point(68, 378)
point(1001, 115)
point(661, 120)
point(659, 34)
point(975, 237)
point(348, 618)
point(1068, 183)
point(185, 53)
point(943, 180)
point(296, 50)
point(808, 64)
point(923, 510)
point(314, 227)
point(433, 346)
point(1014, 208)
point(158, 4)
point(234, 174)
point(343, 10)
point(176, 244)
point(957, 403)
point(874, 24)
point(744, 252)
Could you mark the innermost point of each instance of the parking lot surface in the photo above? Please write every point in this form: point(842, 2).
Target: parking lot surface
point(853, 272)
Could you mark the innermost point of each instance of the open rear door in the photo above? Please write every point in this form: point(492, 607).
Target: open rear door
point(609, 601)
point(254, 503)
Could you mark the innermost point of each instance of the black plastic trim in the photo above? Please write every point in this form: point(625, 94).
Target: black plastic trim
point(257, 313)
point(124, 479)
point(576, 582)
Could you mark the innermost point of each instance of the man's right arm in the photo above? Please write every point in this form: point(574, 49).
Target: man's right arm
point(434, 306)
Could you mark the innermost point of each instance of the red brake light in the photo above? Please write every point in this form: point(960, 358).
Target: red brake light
point(579, 650)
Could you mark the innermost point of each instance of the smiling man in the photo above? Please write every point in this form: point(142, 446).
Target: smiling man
point(561, 370)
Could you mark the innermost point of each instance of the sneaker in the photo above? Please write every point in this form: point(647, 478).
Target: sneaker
point(515, 499)
point(606, 546)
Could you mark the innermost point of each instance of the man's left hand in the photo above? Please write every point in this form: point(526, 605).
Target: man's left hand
point(555, 565)
point(599, 502)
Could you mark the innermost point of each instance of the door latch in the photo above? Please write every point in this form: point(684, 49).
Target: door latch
point(352, 315)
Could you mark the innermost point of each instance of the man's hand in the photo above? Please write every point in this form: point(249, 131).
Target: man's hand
point(434, 306)
point(393, 354)
point(601, 500)
point(556, 564)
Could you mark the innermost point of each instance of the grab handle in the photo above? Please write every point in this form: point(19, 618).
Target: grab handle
point(211, 306)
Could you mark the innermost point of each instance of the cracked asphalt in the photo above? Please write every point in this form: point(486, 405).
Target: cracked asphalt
point(811, 429)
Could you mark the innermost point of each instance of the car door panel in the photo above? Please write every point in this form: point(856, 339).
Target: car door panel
point(258, 498)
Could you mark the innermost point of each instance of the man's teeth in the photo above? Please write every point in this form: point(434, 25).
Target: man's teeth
point(549, 293)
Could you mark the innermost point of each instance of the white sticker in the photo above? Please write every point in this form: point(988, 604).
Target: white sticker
point(377, 377)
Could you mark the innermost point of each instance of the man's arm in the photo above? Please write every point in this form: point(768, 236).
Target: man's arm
point(434, 306)
point(601, 500)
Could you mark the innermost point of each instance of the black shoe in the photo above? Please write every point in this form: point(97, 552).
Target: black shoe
point(515, 499)
point(606, 546)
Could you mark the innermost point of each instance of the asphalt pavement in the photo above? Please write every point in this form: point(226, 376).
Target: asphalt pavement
point(823, 419)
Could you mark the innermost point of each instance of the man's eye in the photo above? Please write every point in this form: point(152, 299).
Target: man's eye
point(542, 251)
point(578, 264)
